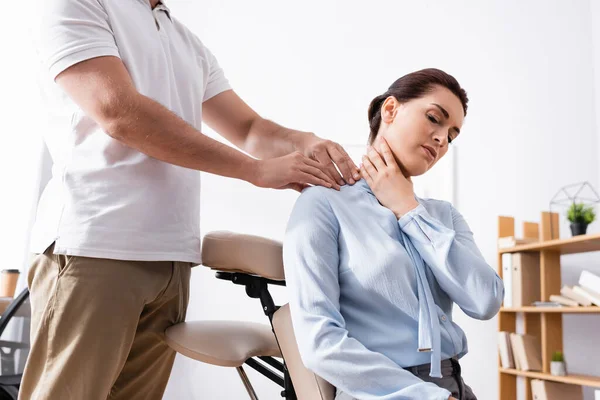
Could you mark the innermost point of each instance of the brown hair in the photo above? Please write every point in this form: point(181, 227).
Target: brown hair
point(413, 86)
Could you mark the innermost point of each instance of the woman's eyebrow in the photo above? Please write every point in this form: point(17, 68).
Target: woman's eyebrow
point(443, 110)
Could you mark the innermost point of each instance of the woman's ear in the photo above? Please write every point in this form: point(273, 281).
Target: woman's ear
point(388, 109)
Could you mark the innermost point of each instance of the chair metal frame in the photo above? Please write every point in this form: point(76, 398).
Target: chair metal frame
point(258, 288)
point(9, 384)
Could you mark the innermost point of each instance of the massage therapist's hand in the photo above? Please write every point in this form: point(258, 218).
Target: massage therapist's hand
point(293, 171)
point(390, 186)
point(327, 153)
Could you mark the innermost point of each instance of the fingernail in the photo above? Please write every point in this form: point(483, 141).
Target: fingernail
point(356, 175)
point(352, 181)
point(341, 182)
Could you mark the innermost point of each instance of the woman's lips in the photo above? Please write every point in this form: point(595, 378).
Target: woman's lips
point(428, 153)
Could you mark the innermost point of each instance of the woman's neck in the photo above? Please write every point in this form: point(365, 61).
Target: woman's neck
point(377, 146)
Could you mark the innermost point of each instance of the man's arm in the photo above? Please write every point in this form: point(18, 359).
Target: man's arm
point(233, 119)
point(104, 90)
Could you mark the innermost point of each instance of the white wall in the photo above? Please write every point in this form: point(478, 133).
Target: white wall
point(316, 65)
point(22, 119)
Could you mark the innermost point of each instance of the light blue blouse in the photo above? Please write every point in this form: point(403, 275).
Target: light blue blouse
point(371, 294)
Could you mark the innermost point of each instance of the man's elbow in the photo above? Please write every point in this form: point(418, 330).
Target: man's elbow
point(116, 113)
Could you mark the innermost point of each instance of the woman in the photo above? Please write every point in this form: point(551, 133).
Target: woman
point(373, 271)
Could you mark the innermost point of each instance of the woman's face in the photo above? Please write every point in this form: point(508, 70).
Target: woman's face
point(419, 131)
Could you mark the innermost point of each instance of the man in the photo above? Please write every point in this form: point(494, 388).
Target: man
point(118, 224)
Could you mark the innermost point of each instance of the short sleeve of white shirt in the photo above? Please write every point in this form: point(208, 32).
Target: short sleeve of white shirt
point(73, 31)
point(217, 82)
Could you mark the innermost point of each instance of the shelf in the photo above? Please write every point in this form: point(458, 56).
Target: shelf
point(583, 380)
point(569, 310)
point(577, 244)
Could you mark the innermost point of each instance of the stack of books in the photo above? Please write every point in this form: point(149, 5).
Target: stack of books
point(586, 294)
point(521, 352)
point(544, 390)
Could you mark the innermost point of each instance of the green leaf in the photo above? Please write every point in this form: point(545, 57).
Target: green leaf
point(578, 212)
point(558, 356)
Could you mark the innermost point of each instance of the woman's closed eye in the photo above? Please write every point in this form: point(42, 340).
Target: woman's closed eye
point(433, 119)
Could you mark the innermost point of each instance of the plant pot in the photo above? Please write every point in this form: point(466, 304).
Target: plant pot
point(578, 228)
point(558, 368)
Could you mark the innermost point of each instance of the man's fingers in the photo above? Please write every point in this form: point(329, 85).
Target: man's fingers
point(325, 160)
point(299, 187)
point(308, 178)
point(376, 159)
point(308, 162)
point(347, 167)
point(317, 173)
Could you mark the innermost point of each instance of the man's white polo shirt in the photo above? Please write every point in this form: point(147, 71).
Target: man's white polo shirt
point(105, 199)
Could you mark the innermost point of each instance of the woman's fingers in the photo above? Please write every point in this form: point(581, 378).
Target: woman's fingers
point(368, 166)
point(376, 159)
point(388, 156)
point(365, 175)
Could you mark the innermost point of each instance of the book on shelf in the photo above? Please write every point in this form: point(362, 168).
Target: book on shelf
point(587, 293)
point(526, 280)
point(590, 281)
point(565, 301)
point(504, 347)
point(511, 241)
point(507, 270)
point(513, 345)
point(521, 276)
point(527, 352)
point(547, 390)
point(567, 291)
point(546, 304)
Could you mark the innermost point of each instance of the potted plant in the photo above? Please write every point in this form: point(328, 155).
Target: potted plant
point(558, 366)
point(580, 216)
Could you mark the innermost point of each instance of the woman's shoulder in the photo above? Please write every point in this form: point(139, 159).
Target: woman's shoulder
point(324, 195)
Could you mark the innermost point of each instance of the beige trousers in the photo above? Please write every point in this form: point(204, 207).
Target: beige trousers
point(97, 327)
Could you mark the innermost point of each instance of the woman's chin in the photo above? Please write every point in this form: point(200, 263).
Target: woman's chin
point(418, 169)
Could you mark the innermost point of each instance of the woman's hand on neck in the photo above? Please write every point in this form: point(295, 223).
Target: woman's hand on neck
point(390, 185)
point(379, 145)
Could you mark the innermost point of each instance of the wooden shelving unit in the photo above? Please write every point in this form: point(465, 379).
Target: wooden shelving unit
point(564, 310)
point(543, 322)
point(583, 380)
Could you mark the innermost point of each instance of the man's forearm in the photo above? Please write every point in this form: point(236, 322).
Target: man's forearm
point(152, 129)
point(267, 139)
